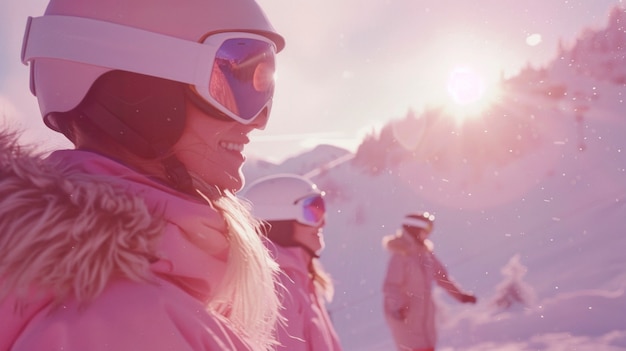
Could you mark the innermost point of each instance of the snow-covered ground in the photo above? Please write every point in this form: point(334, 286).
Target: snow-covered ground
point(530, 205)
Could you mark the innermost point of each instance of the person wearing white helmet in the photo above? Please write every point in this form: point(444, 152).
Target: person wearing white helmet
point(134, 239)
point(407, 288)
point(293, 210)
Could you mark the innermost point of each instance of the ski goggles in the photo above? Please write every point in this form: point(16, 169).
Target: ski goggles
point(231, 71)
point(241, 81)
point(310, 210)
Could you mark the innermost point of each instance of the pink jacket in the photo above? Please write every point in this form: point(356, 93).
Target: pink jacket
point(308, 326)
point(114, 276)
point(408, 305)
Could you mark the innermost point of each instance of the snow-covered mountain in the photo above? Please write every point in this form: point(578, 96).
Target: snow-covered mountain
point(530, 201)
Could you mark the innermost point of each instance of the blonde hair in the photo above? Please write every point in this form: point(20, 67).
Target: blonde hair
point(322, 279)
point(247, 295)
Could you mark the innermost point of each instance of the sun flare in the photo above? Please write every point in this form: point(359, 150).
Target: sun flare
point(469, 93)
point(465, 86)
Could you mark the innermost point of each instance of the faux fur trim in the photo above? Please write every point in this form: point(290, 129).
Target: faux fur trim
point(403, 244)
point(64, 232)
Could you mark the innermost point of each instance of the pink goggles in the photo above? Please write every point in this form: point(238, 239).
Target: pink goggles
point(231, 71)
point(311, 210)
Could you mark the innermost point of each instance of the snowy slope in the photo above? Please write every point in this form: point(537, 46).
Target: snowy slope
point(537, 185)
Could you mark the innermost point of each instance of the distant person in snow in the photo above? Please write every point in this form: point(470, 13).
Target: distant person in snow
point(413, 268)
point(294, 211)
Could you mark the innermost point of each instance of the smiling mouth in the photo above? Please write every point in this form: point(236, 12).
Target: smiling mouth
point(230, 146)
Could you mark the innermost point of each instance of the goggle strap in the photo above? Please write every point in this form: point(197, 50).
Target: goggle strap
point(97, 43)
point(417, 223)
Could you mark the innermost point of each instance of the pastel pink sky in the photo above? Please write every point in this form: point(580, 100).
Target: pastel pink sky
point(351, 65)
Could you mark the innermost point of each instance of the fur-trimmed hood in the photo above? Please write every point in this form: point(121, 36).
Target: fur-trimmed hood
point(401, 243)
point(65, 231)
point(72, 222)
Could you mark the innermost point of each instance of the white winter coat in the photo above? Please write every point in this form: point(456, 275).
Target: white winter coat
point(408, 305)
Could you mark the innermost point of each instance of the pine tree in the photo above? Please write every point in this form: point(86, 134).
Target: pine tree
point(513, 290)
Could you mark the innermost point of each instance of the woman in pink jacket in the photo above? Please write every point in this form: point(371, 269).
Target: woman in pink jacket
point(294, 211)
point(412, 270)
point(134, 240)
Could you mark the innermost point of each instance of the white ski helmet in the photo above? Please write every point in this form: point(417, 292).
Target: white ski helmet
point(284, 197)
point(60, 83)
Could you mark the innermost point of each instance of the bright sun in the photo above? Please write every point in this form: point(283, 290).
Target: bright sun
point(468, 91)
point(465, 86)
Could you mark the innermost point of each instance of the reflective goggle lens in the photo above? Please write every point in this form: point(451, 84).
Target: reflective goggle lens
point(242, 80)
point(313, 209)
